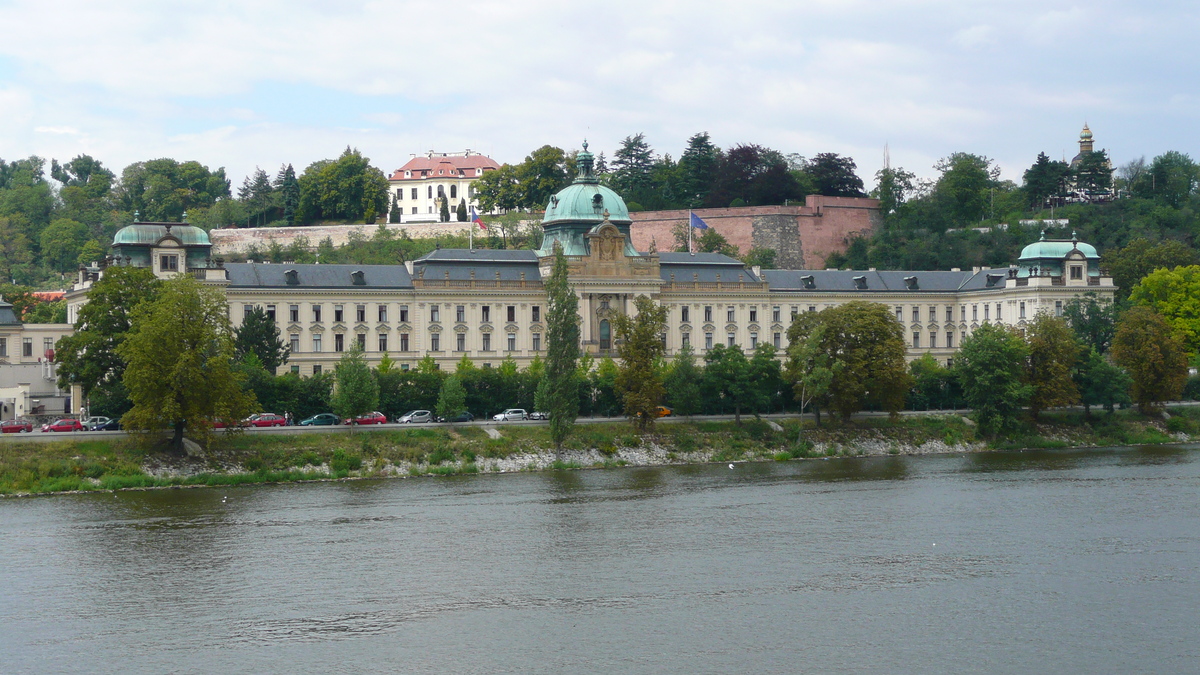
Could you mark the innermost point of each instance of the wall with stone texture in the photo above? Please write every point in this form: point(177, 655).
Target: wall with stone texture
point(231, 241)
point(802, 236)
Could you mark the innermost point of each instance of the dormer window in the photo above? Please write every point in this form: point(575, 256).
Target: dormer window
point(808, 281)
point(168, 263)
point(860, 283)
point(1076, 272)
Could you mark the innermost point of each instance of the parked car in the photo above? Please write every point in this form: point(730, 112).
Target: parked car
point(511, 414)
point(369, 418)
point(18, 426)
point(461, 417)
point(266, 420)
point(94, 421)
point(321, 420)
point(65, 424)
point(111, 425)
point(415, 417)
point(535, 415)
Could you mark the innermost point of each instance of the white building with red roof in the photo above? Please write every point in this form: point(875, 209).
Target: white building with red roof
point(421, 184)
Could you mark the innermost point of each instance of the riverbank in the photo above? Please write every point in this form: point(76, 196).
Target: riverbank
point(122, 463)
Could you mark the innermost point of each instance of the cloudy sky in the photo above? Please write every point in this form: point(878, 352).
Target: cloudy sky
point(260, 83)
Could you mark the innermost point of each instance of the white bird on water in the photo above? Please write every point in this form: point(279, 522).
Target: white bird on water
point(731, 466)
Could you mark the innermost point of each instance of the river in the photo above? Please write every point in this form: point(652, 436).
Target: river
point(1053, 561)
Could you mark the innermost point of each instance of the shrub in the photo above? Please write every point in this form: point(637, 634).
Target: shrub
point(342, 463)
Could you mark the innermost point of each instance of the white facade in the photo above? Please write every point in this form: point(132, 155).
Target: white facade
point(424, 181)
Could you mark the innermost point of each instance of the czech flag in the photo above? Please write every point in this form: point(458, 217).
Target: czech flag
point(697, 223)
point(476, 218)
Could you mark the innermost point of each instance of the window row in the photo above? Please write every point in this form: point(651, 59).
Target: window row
point(405, 342)
point(26, 346)
point(359, 312)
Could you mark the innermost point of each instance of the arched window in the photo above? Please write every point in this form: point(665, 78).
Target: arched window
point(605, 335)
point(453, 192)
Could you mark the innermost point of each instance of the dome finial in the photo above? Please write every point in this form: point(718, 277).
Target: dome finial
point(585, 165)
point(585, 144)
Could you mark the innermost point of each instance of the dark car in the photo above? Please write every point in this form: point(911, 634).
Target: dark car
point(111, 425)
point(323, 419)
point(17, 426)
point(461, 417)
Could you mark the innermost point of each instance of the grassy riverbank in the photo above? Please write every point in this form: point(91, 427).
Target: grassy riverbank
point(108, 464)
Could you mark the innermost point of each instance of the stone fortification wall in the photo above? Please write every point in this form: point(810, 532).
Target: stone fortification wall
point(233, 241)
point(802, 236)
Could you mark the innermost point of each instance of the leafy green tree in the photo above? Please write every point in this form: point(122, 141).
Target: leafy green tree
point(727, 377)
point(91, 252)
point(991, 368)
point(395, 211)
point(810, 368)
point(1175, 295)
point(86, 173)
point(640, 346)
point(452, 399)
point(90, 356)
point(259, 335)
point(162, 189)
point(893, 188)
point(867, 340)
point(499, 189)
point(965, 186)
point(1140, 257)
point(834, 176)
point(347, 188)
point(562, 350)
point(1093, 321)
point(682, 383)
point(932, 384)
point(543, 173)
point(1094, 172)
point(766, 378)
point(355, 392)
point(1052, 355)
point(48, 312)
point(1100, 382)
point(62, 240)
point(1146, 347)
point(1171, 179)
point(761, 257)
point(16, 250)
point(1045, 179)
point(755, 175)
point(180, 363)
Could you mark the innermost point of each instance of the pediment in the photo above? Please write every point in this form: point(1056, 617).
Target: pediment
point(731, 328)
point(339, 327)
point(460, 328)
point(382, 328)
point(708, 328)
point(511, 328)
point(316, 328)
point(362, 328)
point(685, 327)
point(753, 327)
point(294, 328)
point(435, 328)
point(406, 327)
point(486, 328)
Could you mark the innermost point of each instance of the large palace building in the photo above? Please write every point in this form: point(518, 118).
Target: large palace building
point(490, 305)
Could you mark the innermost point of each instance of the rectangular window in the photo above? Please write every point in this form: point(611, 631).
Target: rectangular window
point(316, 369)
point(383, 342)
point(731, 338)
point(404, 342)
point(460, 313)
point(932, 314)
point(294, 313)
point(987, 312)
point(339, 314)
point(339, 342)
point(1076, 272)
point(360, 313)
point(754, 341)
point(729, 315)
point(4, 347)
point(963, 313)
point(512, 312)
point(753, 315)
point(708, 340)
point(295, 342)
point(414, 196)
point(460, 342)
point(403, 367)
point(435, 342)
point(27, 346)
point(487, 342)
point(916, 340)
point(949, 314)
point(537, 342)
point(316, 342)
point(932, 340)
point(246, 310)
point(429, 192)
point(537, 313)
point(403, 313)
point(708, 313)
point(362, 342)
point(685, 339)
point(899, 313)
point(950, 339)
point(271, 312)
point(1022, 309)
point(168, 263)
point(512, 342)
point(487, 313)
point(414, 209)
point(998, 305)
point(382, 313)
point(435, 315)
point(811, 308)
point(775, 314)
point(1058, 308)
point(776, 340)
point(683, 314)
point(295, 369)
point(916, 315)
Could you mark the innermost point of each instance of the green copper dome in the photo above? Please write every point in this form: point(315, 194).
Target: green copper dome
point(1057, 250)
point(580, 207)
point(149, 234)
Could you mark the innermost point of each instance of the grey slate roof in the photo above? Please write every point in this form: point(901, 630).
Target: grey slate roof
point(703, 267)
point(261, 275)
point(479, 254)
point(884, 281)
point(485, 263)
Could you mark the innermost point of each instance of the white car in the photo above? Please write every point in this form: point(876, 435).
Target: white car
point(535, 415)
point(510, 415)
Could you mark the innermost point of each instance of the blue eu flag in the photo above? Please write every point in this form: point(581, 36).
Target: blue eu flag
point(697, 223)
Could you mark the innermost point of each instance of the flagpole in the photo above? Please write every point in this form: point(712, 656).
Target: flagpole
point(689, 226)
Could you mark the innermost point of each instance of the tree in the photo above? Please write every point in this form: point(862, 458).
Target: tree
point(1155, 359)
point(288, 188)
point(90, 356)
point(1100, 382)
point(356, 391)
point(1052, 355)
point(640, 346)
point(498, 189)
point(460, 213)
point(259, 335)
point(562, 350)
point(632, 164)
point(1045, 179)
point(541, 175)
point(991, 368)
point(1171, 179)
point(1093, 321)
point(90, 253)
point(452, 399)
point(62, 241)
point(163, 189)
point(867, 340)
point(698, 169)
point(347, 188)
point(444, 210)
point(810, 369)
point(395, 211)
point(683, 383)
point(834, 176)
point(1175, 295)
point(180, 363)
point(727, 377)
point(755, 175)
point(1094, 172)
point(965, 186)
point(1140, 257)
point(86, 173)
point(258, 195)
point(892, 188)
point(766, 378)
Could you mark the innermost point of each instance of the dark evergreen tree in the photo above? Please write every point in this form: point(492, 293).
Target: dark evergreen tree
point(562, 350)
point(461, 212)
point(259, 335)
point(834, 176)
point(1045, 179)
point(698, 168)
point(394, 212)
point(444, 210)
point(289, 192)
point(632, 165)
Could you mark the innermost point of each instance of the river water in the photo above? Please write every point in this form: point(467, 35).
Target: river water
point(1056, 561)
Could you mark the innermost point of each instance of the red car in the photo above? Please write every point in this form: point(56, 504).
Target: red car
point(64, 424)
point(17, 427)
point(267, 420)
point(369, 418)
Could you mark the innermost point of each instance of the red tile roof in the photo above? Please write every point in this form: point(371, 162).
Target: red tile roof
point(450, 166)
